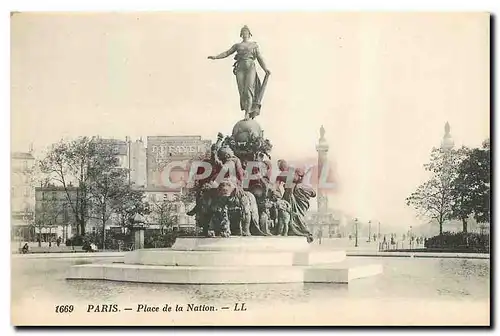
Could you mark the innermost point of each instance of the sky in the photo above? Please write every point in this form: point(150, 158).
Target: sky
point(383, 86)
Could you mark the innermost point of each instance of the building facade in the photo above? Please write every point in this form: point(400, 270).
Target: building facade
point(121, 150)
point(46, 211)
point(54, 216)
point(146, 162)
point(168, 159)
point(22, 194)
point(179, 152)
point(138, 159)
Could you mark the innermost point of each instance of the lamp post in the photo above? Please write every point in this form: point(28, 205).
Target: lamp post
point(378, 234)
point(410, 238)
point(356, 232)
point(369, 231)
point(20, 235)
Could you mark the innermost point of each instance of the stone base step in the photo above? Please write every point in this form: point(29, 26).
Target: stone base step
point(336, 273)
point(237, 243)
point(169, 257)
point(341, 273)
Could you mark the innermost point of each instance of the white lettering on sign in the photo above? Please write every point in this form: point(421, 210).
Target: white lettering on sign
point(178, 150)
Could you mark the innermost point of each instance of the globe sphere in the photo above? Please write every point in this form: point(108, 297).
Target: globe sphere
point(243, 130)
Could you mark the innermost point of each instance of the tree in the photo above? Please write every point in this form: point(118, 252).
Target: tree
point(106, 191)
point(79, 162)
point(471, 187)
point(482, 196)
point(165, 213)
point(129, 205)
point(108, 185)
point(187, 196)
point(433, 199)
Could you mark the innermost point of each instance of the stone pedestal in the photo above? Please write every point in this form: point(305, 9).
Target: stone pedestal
point(236, 243)
point(234, 260)
point(138, 237)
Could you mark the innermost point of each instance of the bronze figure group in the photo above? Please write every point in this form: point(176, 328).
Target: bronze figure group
point(228, 205)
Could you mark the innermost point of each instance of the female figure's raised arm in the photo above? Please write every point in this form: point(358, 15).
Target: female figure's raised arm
point(224, 54)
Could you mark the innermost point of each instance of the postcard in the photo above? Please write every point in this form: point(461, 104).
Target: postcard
point(250, 169)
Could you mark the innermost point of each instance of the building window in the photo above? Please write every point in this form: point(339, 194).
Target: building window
point(25, 165)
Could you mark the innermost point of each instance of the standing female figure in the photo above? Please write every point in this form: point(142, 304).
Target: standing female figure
point(249, 85)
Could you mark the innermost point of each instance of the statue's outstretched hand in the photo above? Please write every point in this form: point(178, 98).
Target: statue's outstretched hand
point(211, 57)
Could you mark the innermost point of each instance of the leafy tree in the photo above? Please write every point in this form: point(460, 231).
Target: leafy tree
point(79, 163)
point(107, 190)
point(129, 205)
point(433, 199)
point(165, 212)
point(187, 196)
point(471, 186)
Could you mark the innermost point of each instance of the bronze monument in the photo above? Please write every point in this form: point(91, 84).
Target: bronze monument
point(231, 207)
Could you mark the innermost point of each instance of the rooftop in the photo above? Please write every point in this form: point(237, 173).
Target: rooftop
point(22, 156)
point(55, 188)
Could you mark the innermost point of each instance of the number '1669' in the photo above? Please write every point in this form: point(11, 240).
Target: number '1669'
point(64, 309)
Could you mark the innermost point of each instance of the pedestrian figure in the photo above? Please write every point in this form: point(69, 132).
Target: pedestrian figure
point(320, 235)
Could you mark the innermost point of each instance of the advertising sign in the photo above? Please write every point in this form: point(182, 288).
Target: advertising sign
point(163, 150)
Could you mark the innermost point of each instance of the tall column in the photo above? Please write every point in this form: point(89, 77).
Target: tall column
point(446, 146)
point(322, 149)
